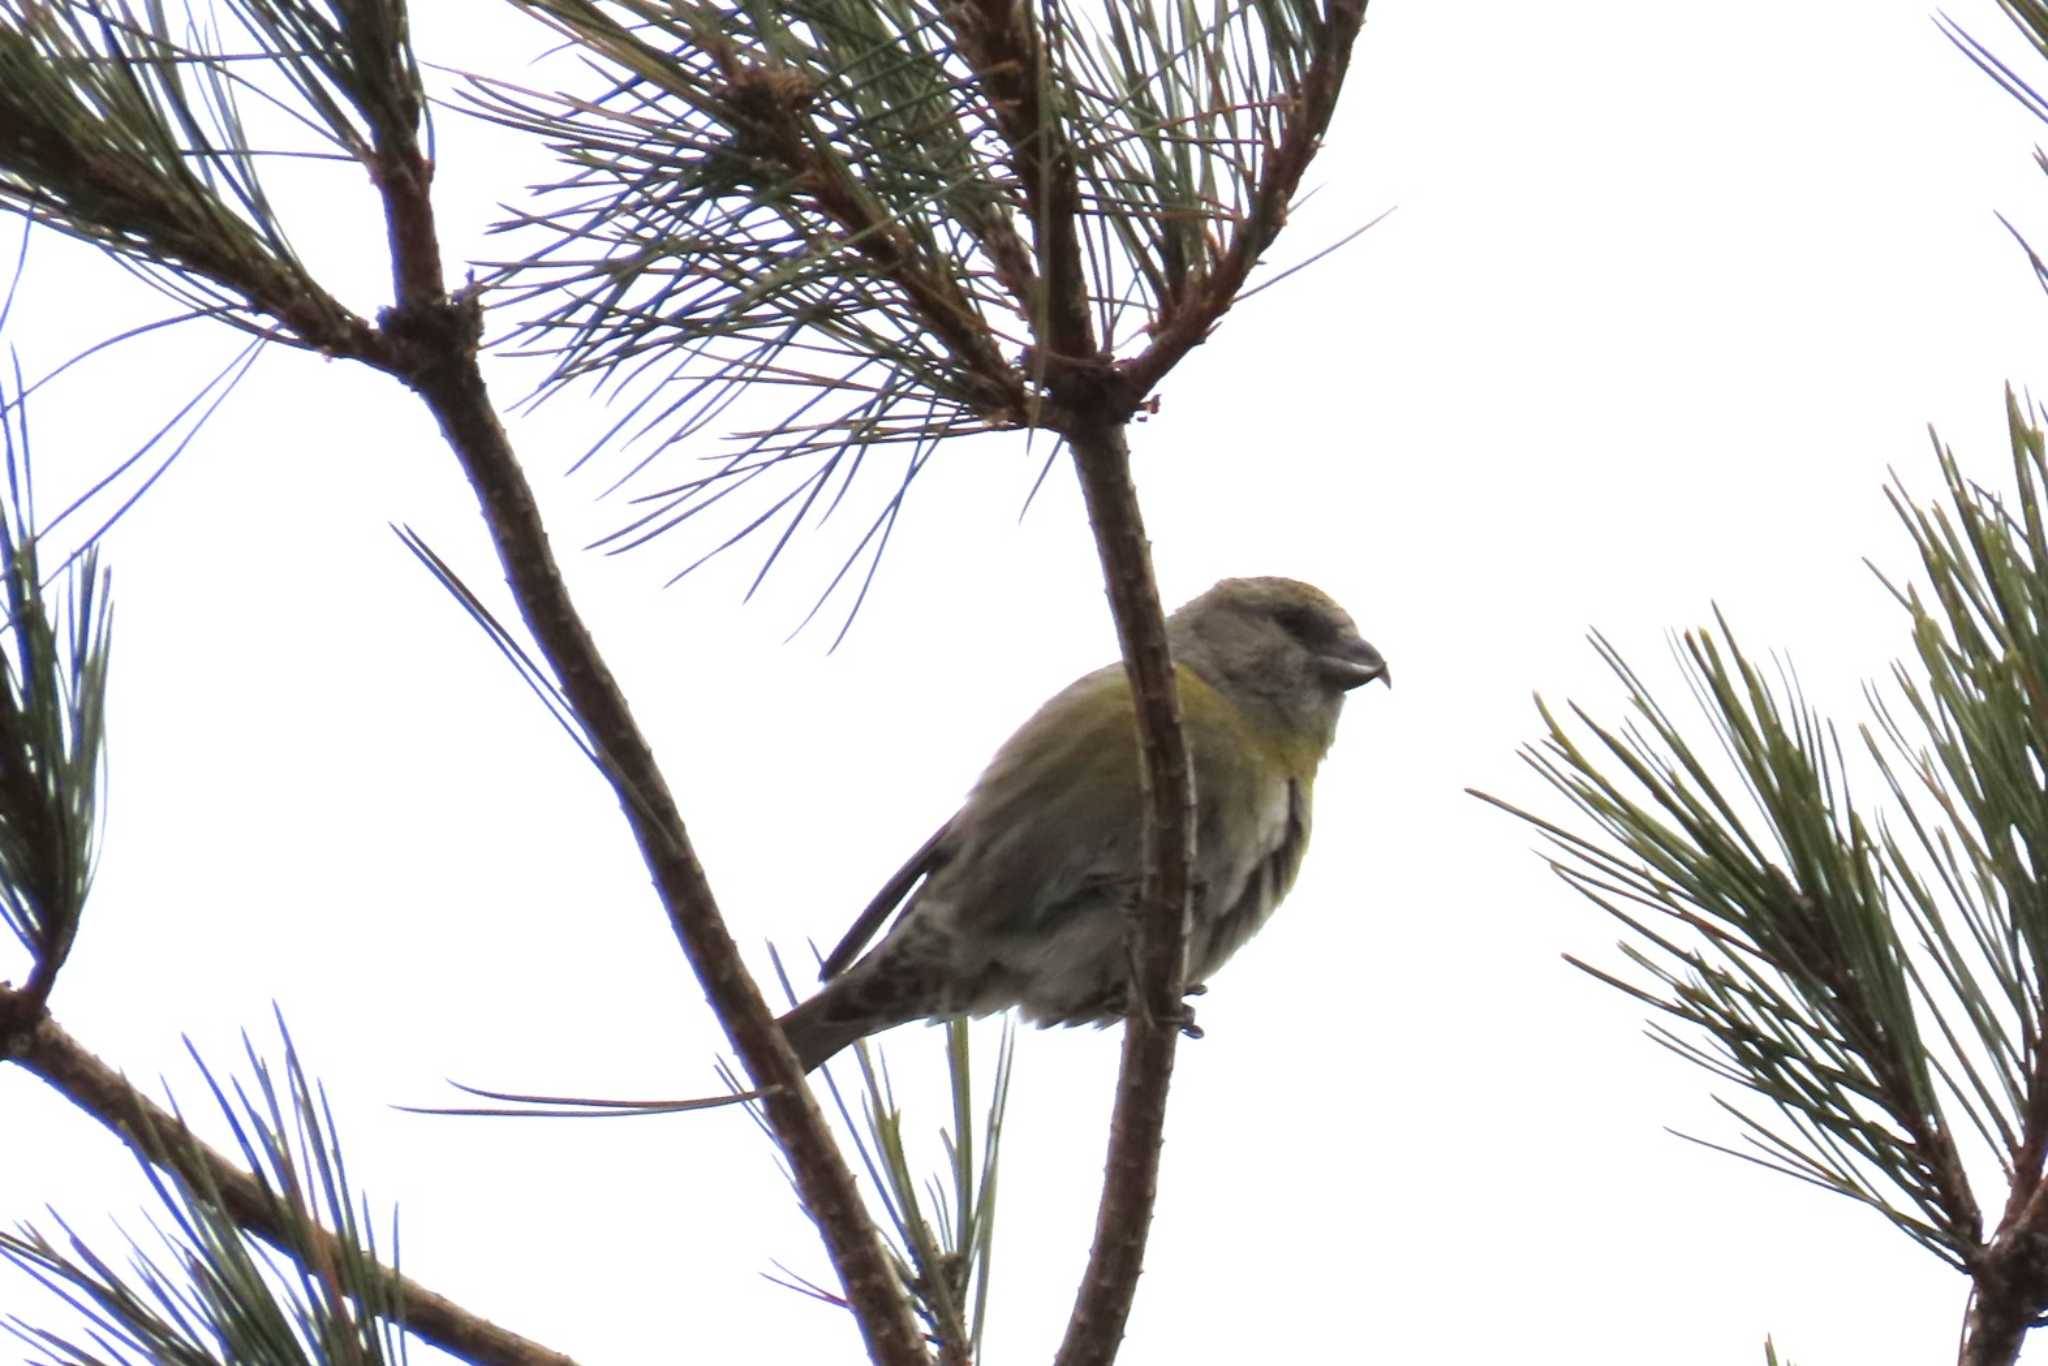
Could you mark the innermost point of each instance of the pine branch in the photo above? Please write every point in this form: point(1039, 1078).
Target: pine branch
point(1885, 991)
point(53, 679)
point(947, 1267)
point(449, 382)
point(926, 218)
point(160, 1138)
point(114, 132)
point(440, 363)
point(1192, 312)
point(827, 194)
point(428, 340)
point(1137, 1129)
point(215, 1292)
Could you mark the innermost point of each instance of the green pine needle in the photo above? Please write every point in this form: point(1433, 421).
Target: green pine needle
point(1875, 975)
point(202, 1290)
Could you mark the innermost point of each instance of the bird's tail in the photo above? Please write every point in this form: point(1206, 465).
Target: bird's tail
point(817, 1033)
point(867, 999)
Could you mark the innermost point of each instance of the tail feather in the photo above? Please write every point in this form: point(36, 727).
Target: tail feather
point(875, 994)
point(816, 1031)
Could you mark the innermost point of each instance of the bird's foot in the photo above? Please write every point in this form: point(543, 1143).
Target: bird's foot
point(1182, 1019)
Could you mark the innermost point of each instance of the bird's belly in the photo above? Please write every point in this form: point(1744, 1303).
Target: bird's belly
point(1074, 975)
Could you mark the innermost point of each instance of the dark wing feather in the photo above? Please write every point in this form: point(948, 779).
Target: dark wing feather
point(856, 938)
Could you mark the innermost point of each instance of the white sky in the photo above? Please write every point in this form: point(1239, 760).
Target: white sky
point(1667, 291)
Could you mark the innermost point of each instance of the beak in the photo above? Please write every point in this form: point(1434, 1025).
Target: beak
point(1353, 664)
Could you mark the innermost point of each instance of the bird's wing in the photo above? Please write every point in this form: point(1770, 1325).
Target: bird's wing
point(1051, 820)
point(885, 901)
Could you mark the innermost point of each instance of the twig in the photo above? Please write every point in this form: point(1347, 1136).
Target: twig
point(161, 1138)
point(436, 353)
point(1187, 323)
point(1138, 1123)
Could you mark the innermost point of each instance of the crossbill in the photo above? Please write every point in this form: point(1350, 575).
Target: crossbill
point(1022, 898)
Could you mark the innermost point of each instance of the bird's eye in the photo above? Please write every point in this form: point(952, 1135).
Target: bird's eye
point(1300, 622)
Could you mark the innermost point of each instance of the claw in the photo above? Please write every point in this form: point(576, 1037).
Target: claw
point(1183, 1019)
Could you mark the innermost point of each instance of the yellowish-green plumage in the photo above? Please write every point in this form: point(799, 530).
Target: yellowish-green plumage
point(1023, 892)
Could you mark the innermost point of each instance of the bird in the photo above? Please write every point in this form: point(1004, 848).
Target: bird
point(1022, 898)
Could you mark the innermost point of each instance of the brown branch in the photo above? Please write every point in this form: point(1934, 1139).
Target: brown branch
point(429, 341)
point(1186, 321)
point(766, 105)
point(1894, 1066)
point(2007, 1278)
point(161, 1138)
point(2028, 1200)
point(1009, 258)
point(1003, 47)
point(454, 392)
point(86, 175)
point(433, 348)
point(2009, 1274)
point(1138, 1122)
point(1091, 405)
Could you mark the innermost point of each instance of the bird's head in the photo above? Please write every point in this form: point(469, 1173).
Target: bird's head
point(1280, 649)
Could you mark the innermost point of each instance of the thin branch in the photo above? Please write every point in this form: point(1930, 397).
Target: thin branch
point(1182, 328)
point(438, 340)
point(162, 1139)
point(1138, 1122)
point(428, 340)
point(1006, 51)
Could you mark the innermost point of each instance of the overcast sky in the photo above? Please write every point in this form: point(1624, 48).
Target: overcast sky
point(1666, 292)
